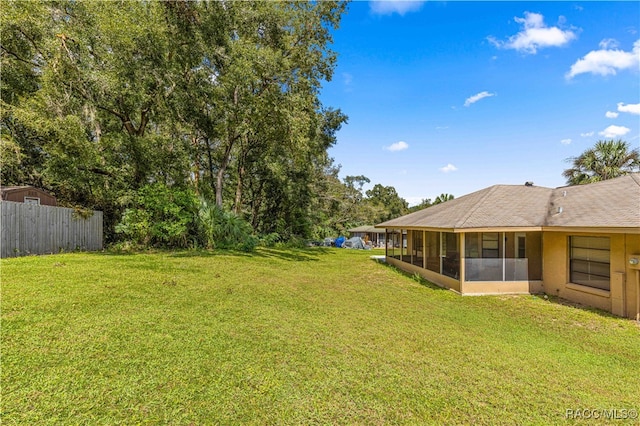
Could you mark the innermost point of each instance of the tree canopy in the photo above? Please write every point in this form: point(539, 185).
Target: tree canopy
point(102, 99)
point(181, 119)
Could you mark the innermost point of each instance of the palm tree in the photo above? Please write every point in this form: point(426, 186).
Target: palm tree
point(606, 160)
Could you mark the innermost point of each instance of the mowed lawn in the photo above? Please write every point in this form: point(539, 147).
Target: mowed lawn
point(283, 336)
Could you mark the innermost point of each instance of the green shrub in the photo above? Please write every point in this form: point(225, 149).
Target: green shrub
point(162, 216)
point(269, 240)
point(224, 229)
point(293, 241)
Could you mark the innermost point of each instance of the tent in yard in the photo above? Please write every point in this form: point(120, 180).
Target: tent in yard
point(355, 243)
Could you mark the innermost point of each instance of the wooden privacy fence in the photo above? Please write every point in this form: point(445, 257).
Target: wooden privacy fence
point(36, 229)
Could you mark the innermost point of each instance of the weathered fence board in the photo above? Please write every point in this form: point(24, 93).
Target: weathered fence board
point(36, 229)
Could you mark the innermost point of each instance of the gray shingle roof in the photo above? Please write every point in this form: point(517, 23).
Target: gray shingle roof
point(611, 203)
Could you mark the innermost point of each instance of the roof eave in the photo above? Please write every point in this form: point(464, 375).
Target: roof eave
point(594, 229)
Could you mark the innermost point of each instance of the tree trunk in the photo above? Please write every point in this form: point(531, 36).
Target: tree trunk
point(256, 201)
point(227, 156)
point(221, 171)
point(196, 164)
point(210, 158)
point(238, 201)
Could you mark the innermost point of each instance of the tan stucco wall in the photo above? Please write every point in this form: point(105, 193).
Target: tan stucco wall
point(534, 254)
point(441, 280)
point(501, 287)
point(470, 287)
point(620, 300)
point(632, 247)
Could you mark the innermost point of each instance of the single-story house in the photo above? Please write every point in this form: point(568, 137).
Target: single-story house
point(27, 194)
point(370, 234)
point(581, 243)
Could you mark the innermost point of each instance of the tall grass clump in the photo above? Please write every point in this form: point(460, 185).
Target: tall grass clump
point(224, 229)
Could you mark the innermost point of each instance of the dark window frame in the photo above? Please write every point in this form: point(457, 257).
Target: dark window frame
point(586, 264)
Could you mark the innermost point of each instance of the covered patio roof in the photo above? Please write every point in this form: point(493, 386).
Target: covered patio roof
point(367, 228)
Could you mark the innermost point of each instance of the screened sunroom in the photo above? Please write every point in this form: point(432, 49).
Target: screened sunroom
point(470, 262)
point(489, 241)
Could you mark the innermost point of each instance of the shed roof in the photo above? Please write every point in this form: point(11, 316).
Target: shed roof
point(611, 203)
point(4, 189)
point(368, 228)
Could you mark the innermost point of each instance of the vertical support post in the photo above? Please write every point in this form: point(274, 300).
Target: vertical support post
point(410, 244)
point(424, 249)
point(442, 250)
point(504, 253)
point(463, 260)
point(386, 243)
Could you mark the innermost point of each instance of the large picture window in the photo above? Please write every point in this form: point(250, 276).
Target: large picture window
point(589, 261)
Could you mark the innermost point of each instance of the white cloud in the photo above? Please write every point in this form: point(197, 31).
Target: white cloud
point(448, 168)
point(566, 141)
point(606, 61)
point(587, 134)
point(609, 43)
point(534, 35)
point(614, 131)
point(630, 108)
point(611, 114)
point(475, 98)
point(398, 146)
point(394, 6)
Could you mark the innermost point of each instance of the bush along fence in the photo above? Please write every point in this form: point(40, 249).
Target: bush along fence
point(35, 229)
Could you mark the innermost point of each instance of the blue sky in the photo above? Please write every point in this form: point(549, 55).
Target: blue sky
point(452, 97)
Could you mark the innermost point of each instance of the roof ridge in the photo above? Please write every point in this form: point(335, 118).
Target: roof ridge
point(464, 219)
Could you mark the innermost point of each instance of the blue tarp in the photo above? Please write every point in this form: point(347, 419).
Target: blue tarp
point(339, 241)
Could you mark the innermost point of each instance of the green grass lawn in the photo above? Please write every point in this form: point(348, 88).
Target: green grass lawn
point(317, 336)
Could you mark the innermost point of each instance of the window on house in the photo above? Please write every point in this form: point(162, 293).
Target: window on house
point(589, 262)
point(521, 246)
point(490, 245)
